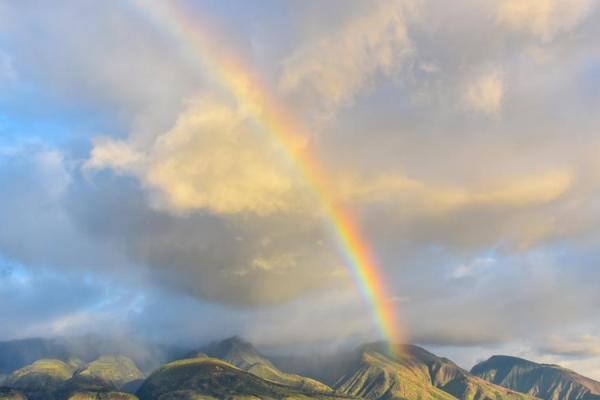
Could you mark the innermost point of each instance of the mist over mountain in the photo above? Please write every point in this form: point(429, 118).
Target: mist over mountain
point(234, 368)
point(147, 355)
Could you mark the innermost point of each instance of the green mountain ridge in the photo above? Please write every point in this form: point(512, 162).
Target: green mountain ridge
point(546, 381)
point(211, 378)
point(114, 371)
point(15, 354)
point(50, 379)
point(416, 374)
point(245, 356)
point(235, 369)
point(41, 379)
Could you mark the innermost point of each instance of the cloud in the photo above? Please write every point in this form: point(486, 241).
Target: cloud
point(115, 58)
point(427, 197)
point(583, 346)
point(334, 68)
point(170, 191)
point(479, 265)
point(212, 159)
point(8, 74)
point(543, 18)
point(24, 290)
point(36, 228)
point(110, 153)
point(485, 94)
point(246, 259)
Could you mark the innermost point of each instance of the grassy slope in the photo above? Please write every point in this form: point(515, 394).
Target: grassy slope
point(40, 379)
point(49, 379)
point(206, 378)
point(244, 356)
point(416, 374)
point(460, 383)
point(103, 378)
point(546, 381)
point(101, 396)
point(114, 371)
point(378, 377)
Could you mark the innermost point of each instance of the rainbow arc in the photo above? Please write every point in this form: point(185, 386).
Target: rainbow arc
point(281, 125)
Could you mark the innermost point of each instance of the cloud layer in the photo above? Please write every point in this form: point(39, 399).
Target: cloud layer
point(463, 137)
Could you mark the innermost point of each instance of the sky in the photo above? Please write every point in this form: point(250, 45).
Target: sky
point(140, 196)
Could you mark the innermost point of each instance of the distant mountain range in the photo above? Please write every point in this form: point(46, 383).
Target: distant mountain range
point(235, 369)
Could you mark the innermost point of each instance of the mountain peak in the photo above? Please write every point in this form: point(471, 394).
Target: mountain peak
point(236, 351)
point(237, 343)
point(545, 381)
point(415, 373)
point(499, 358)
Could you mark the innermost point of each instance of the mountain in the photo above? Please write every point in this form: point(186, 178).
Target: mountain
point(209, 378)
point(111, 371)
point(546, 381)
point(235, 369)
point(377, 376)
point(147, 356)
point(107, 377)
point(415, 374)
point(101, 396)
point(16, 354)
point(38, 380)
point(50, 379)
point(245, 356)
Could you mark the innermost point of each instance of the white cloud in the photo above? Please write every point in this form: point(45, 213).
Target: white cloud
point(337, 66)
point(111, 153)
point(485, 94)
point(584, 345)
point(211, 159)
point(477, 266)
point(543, 18)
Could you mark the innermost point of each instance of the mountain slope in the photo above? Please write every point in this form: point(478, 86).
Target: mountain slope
point(38, 380)
point(449, 377)
point(379, 377)
point(101, 396)
point(49, 379)
point(415, 374)
point(113, 371)
point(103, 378)
point(209, 378)
point(546, 381)
point(147, 356)
point(245, 356)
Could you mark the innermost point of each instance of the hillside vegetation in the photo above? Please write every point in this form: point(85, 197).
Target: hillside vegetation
point(101, 379)
point(41, 379)
point(549, 382)
point(210, 378)
point(235, 369)
point(416, 374)
point(245, 356)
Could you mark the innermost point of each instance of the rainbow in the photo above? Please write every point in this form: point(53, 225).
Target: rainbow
point(278, 122)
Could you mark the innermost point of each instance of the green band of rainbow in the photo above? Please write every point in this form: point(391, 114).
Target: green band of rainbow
point(287, 132)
